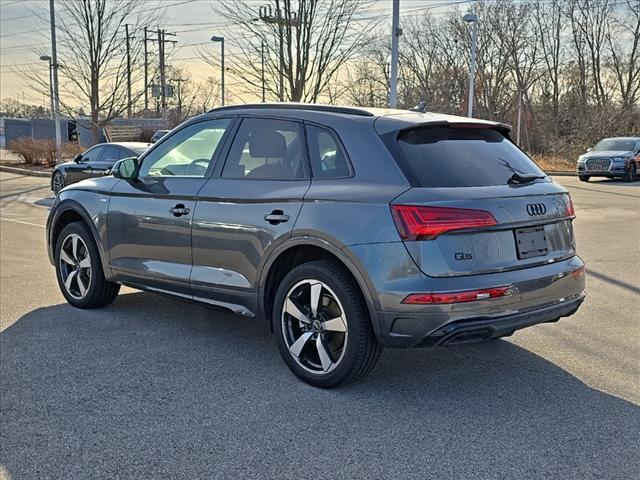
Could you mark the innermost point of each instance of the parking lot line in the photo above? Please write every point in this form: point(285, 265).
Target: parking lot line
point(21, 222)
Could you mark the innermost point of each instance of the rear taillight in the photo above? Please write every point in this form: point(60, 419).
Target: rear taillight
point(570, 210)
point(578, 273)
point(456, 297)
point(426, 223)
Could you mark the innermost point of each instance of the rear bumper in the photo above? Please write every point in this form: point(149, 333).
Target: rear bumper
point(483, 329)
point(415, 331)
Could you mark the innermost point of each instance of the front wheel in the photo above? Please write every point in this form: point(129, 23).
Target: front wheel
point(79, 269)
point(630, 176)
point(584, 178)
point(57, 183)
point(322, 325)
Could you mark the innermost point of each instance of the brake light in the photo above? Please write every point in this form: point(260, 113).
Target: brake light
point(570, 210)
point(456, 297)
point(426, 223)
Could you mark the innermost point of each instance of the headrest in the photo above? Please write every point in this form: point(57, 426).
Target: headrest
point(267, 144)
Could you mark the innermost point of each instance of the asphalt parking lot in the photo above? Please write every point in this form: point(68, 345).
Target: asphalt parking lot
point(155, 388)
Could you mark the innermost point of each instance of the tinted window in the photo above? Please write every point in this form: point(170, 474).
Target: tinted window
point(110, 155)
point(186, 153)
point(328, 159)
point(616, 145)
point(461, 157)
point(266, 150)
point(92, 155)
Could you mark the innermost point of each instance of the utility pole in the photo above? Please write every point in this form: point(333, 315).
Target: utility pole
point(268, 16)
point(262, 67)
point(146, 72)
point(163, 87)
point(163, 101)
point(395, 37)
point(126, 29)
point(519, 115)
point(54, 75)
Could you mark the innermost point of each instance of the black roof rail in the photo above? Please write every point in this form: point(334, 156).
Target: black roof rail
point(296, 106)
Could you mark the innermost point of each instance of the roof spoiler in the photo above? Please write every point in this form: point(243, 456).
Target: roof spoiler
point(503, 128)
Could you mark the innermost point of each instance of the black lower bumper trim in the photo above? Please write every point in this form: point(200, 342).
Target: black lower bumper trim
point(483, 329)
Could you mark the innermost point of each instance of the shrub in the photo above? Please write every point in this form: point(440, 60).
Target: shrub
point(42, 151)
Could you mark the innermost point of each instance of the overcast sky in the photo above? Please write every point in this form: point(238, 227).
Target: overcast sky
point(23, 34)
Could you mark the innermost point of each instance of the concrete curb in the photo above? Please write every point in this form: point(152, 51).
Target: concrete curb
point(24, 171)
point(561, 174)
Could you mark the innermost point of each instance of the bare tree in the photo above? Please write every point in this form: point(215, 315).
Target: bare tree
point(303, 43)
point(625, 31)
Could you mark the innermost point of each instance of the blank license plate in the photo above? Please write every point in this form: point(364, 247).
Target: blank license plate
point(531, 242)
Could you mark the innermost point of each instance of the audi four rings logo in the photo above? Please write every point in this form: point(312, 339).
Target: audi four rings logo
point(534, 209)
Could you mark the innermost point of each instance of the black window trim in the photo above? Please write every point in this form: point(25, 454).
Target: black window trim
point(215, 158)
point(340, 145)
point(306, 166)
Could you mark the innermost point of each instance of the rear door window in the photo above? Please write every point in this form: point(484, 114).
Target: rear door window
point(266, 149)
point(444, 156)
point(111, 154)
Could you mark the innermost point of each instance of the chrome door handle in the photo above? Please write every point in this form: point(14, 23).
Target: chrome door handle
point(276, 217)
point(179, 210)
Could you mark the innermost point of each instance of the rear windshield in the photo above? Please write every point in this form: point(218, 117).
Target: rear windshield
point(615, 144)
point(443, 156)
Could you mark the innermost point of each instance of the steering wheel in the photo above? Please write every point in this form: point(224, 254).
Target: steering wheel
point(198, 167)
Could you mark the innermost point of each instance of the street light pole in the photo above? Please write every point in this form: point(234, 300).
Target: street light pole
point(47, 58)
point(472, 18)
point(395, 36)
point(262, 68)
point(221, 40)
point(54, 75)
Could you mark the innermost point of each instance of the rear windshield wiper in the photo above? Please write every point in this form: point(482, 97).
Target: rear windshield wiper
point(519, 178)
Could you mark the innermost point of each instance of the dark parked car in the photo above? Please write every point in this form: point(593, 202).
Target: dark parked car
point(158, 135)
point(95, 162)
point(347, 229)
point(611, 158)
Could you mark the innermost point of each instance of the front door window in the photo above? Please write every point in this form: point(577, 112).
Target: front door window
point(187, 153)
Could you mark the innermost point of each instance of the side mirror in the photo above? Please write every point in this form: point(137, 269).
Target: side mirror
point(78, 158)
point(127, 168)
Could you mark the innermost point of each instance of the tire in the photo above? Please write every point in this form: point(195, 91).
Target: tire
point(77, 256)
point(630, 174)
point(348, 340)
point(57, 182)
point(584, 178)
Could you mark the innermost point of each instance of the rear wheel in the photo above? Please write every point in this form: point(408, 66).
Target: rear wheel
point(79, 269)
point(630, 175)
point(57, 183)
point(322, 325)
point(584, 178)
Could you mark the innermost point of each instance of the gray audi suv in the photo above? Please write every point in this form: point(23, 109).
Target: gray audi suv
point(347, 229)
point(611, 158)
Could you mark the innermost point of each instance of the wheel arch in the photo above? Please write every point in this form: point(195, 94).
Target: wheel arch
point(304, 248)
point(69, 211)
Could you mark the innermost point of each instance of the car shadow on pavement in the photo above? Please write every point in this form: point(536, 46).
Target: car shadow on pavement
point(153, 388)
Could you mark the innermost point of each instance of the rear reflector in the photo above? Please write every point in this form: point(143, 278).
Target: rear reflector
point(456, 297)
point(578, 273)
point(426, 223)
